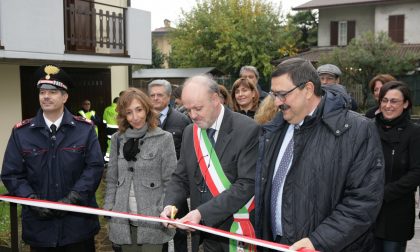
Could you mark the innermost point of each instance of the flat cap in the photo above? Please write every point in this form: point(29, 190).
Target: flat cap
point(329, 69)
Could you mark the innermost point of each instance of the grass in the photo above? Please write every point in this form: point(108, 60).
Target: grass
point(4, 220)
point(5, 213)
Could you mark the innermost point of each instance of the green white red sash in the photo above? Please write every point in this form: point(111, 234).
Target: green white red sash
point(217, 182)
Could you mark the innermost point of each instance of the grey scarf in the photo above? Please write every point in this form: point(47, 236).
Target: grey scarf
point(131, 147)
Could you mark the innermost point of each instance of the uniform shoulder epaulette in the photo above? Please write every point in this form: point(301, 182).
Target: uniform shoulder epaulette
point(23, 123)
point(82, 119)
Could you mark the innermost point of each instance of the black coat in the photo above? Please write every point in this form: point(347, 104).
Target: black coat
point(236, 147)
point(370, 113)
point(35, 163)
point(333, 191)
point(401, 145)
point(175, 123)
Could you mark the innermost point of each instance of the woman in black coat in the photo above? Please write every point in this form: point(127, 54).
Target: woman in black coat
point(401, 144)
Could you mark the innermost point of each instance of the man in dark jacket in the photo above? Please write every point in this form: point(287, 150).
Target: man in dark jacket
point(319, 182)
point(55, 156)
point(174, 122)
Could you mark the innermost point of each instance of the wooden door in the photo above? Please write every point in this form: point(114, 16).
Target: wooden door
point(80, 26)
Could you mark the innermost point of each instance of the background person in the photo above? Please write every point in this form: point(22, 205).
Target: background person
point(251, 73)
point(319, 170)
point(110, 121)
point(55, 156)
point(225, 98)
point(232, 139)
point(245, 97)
point(400, 140)
point(329, 74)
point(176, 93)
point(375, 85)
point(266, 111)
point(141, 163)
point(89, 114)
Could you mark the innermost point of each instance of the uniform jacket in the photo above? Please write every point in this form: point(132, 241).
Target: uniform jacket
point(333, 190)
point(175, 123)
point(154, 166)
point(236, 148)
point(36, 164)
point(401, 145)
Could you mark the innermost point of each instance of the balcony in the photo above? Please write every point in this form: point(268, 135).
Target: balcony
point(94, 28)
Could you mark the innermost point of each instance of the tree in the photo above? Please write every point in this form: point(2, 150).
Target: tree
point(368, 56)
point(299, 33)
point(227, 34)
point(158, 58)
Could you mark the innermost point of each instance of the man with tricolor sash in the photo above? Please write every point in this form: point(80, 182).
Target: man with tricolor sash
point(216, 168)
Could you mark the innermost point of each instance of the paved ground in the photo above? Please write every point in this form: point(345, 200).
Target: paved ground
point(414, 244)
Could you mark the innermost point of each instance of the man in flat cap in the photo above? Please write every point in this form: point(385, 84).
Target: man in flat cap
point(329, 74)
point(55, 156)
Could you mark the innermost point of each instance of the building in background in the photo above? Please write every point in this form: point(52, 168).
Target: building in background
point(161, 36)
point(341, 21)
point(94, 41)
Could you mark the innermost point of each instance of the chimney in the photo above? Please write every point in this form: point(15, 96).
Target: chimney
point(167, 23)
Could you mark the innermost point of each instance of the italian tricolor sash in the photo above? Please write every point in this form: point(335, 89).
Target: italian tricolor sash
point(217, 182)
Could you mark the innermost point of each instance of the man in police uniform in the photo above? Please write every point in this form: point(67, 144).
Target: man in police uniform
point(55, 156)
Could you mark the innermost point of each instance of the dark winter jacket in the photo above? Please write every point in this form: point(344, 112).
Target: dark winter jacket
point(175, 123)
point(333, 191)
point(35, 163)
point(401, 145)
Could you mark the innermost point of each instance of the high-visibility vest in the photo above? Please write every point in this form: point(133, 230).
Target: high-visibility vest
point(89, 115)
point(110, 120)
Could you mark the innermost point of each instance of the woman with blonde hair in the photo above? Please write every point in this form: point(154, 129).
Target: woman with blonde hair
point(141, 163)
point(245, 97)
point(266, 111)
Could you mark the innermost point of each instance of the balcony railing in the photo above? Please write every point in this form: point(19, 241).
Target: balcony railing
point(93, 27)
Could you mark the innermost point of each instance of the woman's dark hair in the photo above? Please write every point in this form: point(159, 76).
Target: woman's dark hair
point(384, 78)
point(225, 93)
point(398, 85)
point(125, 100)
point(248, 84)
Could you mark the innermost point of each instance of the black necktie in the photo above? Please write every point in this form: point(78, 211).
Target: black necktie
point(210, 134)
point(53, 131)
point(159, 121)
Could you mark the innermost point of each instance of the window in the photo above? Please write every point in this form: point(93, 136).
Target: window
point(342, 32)
point(396, 28)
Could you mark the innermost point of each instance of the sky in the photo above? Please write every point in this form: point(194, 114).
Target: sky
point(171, 9)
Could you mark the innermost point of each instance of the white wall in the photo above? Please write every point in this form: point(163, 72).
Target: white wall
point(411, 22)
point(364, 17)
point(35, 22)
point(119, 80)
point(139, 29)
point(10, 103)
point(35, 30)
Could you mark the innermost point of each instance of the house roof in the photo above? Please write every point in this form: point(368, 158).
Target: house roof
point(317, 4)
point(315, 54)
point(163, 30)
point(174, 72)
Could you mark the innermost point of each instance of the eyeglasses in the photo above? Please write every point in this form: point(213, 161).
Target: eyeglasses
point(282, 95)
point(393, 102)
